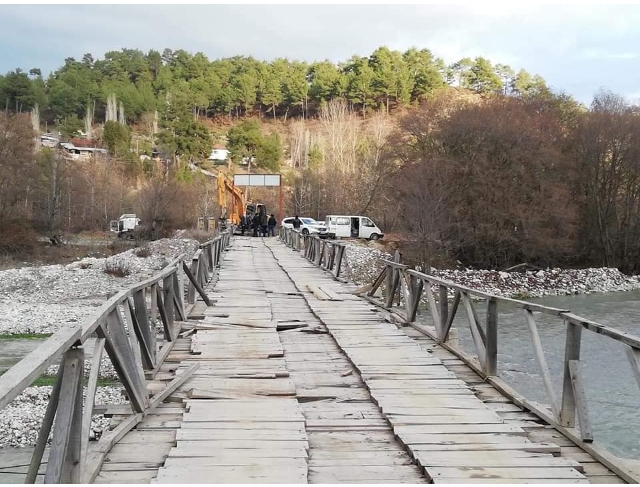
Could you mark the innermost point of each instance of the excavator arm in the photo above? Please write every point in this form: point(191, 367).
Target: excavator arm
point(222, 196)
point(237, 201)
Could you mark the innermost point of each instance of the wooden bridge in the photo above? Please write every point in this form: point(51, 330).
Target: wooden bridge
point(268, 367)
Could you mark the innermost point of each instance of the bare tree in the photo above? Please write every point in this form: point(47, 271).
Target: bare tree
point(17, 169)
point(88, 121)
point(121, 117)
point(607, 149)
point(112, 109)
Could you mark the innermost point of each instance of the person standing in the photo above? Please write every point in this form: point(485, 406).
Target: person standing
point(296, 223)
point(272, 226)
point(256, 225)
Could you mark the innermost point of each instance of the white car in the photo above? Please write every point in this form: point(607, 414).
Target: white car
point(307, 226)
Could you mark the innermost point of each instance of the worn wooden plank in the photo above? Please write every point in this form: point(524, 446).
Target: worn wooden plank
point(188, 434)
point(121, 355)
point(161, 358)
point(475, 447)
point(318, 293)
point(172, 386)
point(493, 480)
point(620, 336)
point(147, 332)
point(126, 477)
point(633, 354)
point(96, 457)
point(45, 429)
point(196, 285)
point(92, 386)
point(580, 395)
point(538, 353)
point(491, 459)
point(497, 473)
point(572, 352)
point(62, 431)
point(478, 338)
point(231, 474)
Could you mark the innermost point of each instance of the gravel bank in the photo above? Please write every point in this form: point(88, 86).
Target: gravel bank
point(46, 298)
point(363, 267)
point(21, 420)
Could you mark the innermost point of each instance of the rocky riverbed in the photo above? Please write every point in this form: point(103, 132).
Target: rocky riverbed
point(43, 299)
point(363, 266)
point(21, 420)
point(46, 298)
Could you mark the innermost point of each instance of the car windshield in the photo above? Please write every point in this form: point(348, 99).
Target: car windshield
point(309, 221)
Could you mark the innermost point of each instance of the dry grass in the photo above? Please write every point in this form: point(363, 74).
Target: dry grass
point(117, 268)
point(143, 252)
point(199, 235)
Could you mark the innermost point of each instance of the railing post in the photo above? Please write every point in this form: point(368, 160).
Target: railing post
point(491, 363)
point(338, 262)
point(388, 283)
point(443, 313)
point(63, 465)
point(45, 429)
point(167, 299)
point(571, 352)
point(153, 312)
point(210, 257)
point(191, 290)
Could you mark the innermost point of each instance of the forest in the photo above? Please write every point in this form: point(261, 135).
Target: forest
point(465, 164)
point(242, 86)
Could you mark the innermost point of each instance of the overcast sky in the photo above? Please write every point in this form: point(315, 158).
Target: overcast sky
point(576, 48)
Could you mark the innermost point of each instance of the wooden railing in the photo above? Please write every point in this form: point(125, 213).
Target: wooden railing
point(326, 254)
point(407, 288)
point(125, 327)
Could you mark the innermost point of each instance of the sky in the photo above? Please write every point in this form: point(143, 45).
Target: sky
point(578, 49)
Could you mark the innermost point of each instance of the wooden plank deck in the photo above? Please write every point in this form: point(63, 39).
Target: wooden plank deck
point(460, 430)
point(300, 381)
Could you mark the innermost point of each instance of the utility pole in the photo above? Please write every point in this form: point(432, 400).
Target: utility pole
point(249, 187)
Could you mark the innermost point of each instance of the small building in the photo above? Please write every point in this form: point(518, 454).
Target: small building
point(49, 140)
point(74, 152)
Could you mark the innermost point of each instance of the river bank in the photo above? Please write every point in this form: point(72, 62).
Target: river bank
point(44, 299)
point(363, 266)
point(20, 421)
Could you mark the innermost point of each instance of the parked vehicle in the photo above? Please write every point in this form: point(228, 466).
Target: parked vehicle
point(354, 226)
point(307, 226)
point(125, 225)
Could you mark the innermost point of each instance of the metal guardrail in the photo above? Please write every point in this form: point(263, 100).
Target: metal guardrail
point(125, 327)
point(402, 282)
point(326, 254)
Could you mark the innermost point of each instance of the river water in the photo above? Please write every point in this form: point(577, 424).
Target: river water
point(613, 395)
point(12, 351)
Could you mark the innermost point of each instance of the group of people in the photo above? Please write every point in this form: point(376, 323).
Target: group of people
point(263, 225)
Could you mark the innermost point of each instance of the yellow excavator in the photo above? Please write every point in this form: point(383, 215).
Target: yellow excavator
point(240, 214)
point(237, 201)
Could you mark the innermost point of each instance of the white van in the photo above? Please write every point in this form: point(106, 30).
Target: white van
point(352, 226)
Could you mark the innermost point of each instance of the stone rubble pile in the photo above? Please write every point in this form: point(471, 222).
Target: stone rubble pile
point(363, 266)
point(44, 299)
